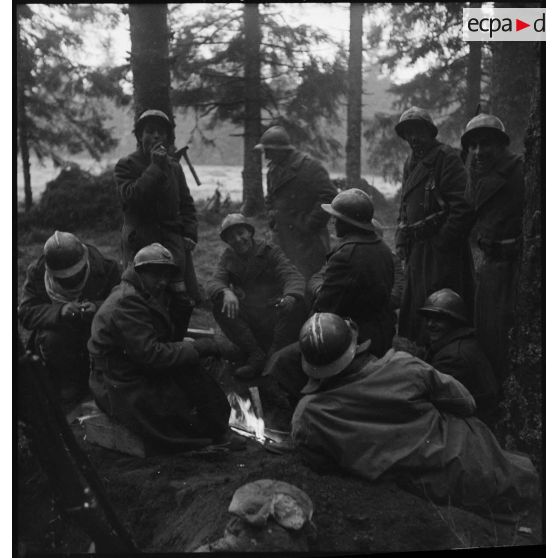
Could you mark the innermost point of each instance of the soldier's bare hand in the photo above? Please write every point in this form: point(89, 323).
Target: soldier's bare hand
point(70, 311)
point(159, 155)
point(88, 310)
point(286, 304)
point(230, 304)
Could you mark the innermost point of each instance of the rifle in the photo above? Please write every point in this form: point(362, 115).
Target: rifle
point(183, 152)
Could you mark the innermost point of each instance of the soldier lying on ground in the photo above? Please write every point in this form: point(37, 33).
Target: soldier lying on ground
point(399, 416)
point(257, 294)
point(62, 292)
point(158, 207)
point(141, 378)
point(453, 349)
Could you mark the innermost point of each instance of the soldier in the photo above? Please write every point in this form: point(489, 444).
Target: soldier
point(140, 377)
point(296, 186)
point(398, 415)
point(496, 191)
point(158, 207)
point(434, 221)
point(453, 349)
point(257, 294)
point(62, 292)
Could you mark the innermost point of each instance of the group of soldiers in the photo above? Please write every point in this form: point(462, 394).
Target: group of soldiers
point(314, 323)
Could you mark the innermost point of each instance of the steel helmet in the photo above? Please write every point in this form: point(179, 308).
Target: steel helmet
point(484, 122)
point(418, 115)
point(65, 255)
point(154, 254)
point(153, 113)
point(275, 137)
point(328, 344)
point(234, 220)
point(445, 302)
point(352, 206)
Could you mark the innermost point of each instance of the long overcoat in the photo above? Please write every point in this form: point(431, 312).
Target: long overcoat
point(38, 312)
point(398, 414)
point(158, 207)
point(497, 198)
point(295, 191)
point(460, 355)
point(134, 366)
point(356, 282)
point(441, 258)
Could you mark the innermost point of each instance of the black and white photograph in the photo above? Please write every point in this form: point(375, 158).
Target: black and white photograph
point(279, 278)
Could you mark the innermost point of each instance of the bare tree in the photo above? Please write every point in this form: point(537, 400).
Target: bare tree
point(252, 172)
point(354, 97)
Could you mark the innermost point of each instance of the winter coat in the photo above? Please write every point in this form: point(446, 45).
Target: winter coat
point(460, 355)
point(260, 281)
point(356, 283)
point(497, 198)
point(157, 207)
point(296, 188)
point(398, 414)
point(135, 366)
point(439, 255)
point(38, 312)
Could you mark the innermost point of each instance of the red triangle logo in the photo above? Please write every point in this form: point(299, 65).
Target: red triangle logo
point(519, 25)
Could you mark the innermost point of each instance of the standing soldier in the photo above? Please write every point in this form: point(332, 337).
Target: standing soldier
point(434, 221)
point(496, 190)
point(158, 207)
point(296, 187)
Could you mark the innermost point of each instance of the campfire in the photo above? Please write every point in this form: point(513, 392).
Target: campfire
point(247, 419)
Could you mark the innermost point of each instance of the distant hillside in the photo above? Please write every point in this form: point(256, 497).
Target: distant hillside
point(227, 138)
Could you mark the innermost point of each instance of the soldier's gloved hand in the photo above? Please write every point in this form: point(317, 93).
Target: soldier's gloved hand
point(189, 244)
point(88, 310)
point(286, 304)
point(230, 304)
point(70, 311)
point(206, 347)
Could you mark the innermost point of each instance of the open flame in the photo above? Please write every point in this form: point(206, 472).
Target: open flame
point(244, 418)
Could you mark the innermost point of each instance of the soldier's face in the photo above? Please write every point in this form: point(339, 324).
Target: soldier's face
point(155, 279)
point(154, 133)
point(485, 150)
point(418, 136)
point(240, 239)
point(438, 327)
point(275, 155)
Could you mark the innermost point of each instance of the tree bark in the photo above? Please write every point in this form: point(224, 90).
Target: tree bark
point(474, 75)
point(354, 98)
point(252, 189)
point(149, 34)
point(22, 124)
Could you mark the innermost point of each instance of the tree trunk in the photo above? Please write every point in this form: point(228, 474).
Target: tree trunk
point(22, 124)
point(354, 97)
point(523, 389)
point(252, 190)
point(474, 75)
point(149, 34)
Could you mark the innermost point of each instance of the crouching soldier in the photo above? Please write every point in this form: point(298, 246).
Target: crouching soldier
point(453, 349)
point(158, 207)
point(141, 378)
point(257, 294)
point(62, 292)
point(399, 415)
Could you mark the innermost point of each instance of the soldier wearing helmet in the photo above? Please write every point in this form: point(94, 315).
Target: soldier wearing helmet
point(158, 207)
point(434, 220)
point(63, 290)
point(495, 190)
point(398, 415)
point(357, 279)
point(453, 349)
point(141, 377)
point(296, 186)
point(257, 294)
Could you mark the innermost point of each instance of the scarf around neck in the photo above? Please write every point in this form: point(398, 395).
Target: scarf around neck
point(57, 293)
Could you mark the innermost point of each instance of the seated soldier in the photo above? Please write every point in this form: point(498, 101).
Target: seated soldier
point(62, 291)
point(357, 280)
point(399, 415)
point(257, 294)
point(454, 350)
point(152, 385)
